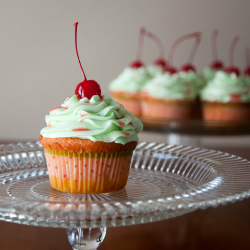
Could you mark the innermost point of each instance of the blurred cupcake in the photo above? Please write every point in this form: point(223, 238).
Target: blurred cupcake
point(89, 144)
point(126, 88)
point(226, 97)
point(170, 96)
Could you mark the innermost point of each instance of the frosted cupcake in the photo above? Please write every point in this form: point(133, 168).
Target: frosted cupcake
point(89, 141)
point(170, 96)
point(126, 88)
point(226, 97)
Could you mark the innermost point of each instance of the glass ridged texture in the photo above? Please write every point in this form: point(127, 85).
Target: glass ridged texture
point(164, 181)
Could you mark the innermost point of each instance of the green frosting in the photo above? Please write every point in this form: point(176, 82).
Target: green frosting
point(208, 74)
point(154, 70)
point(226, 87)
point(177, 86)
point(95, 119)
point(130, 80)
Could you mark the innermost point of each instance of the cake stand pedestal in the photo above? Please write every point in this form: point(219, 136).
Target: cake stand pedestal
point(165, 181)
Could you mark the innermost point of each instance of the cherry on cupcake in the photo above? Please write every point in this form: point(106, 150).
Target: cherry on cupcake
point(186, 67)
point(138, 62)
point(215, 64)
point(232, 69)
point(86, 88)
point(247, 70)
point(189, 66)
point(161, 62)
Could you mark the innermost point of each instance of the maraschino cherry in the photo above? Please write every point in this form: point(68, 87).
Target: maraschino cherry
point(86, 88)
point(215, 64)
point(189, 66)
point(161, 62)
point(232, 69)
point(138, 63)
point(247, 70)
point(171, 69)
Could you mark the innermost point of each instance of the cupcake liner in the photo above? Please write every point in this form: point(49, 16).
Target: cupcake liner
point(167, 110)
point(131, 102)
point(215, 111)
point(88, 173)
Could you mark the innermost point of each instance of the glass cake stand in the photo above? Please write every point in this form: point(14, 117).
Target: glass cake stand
point(165, 181)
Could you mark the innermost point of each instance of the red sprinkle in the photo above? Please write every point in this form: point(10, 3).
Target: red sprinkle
point(65, 176)
point(235, 96)
point(121, 124)
point(126, 133)
point(80, 129)
point(131, 124)
point(49, 125)
point(57, 108)
point(84, 115)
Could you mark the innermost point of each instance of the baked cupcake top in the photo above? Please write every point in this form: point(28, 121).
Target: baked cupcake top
point(176, 86)
point(226, 87)
point(97, 119)
point(130, 80)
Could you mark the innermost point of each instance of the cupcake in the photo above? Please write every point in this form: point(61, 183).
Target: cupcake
point(126, 88)
point(89, 141)
point(226, 97)
point(170, 96)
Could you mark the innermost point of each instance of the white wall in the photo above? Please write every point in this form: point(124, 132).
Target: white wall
point(38, 65)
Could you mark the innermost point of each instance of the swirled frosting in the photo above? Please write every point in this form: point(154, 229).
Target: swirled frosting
point(97, 119)
point(208, 74)
point(176, 86)
point(130, 80)
point(154, 70)
point(225, 88)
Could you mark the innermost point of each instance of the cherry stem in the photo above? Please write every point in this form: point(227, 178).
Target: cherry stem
point(194, 49)
point(231, 51)
point(84, 76)
point(214, 47)
point(247, 57)
point(159, 43)
point(177, 42)
point(140, 44)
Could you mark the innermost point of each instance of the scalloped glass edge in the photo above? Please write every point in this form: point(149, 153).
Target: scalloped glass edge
point(230, 182)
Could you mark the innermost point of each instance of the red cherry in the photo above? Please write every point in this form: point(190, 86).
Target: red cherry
point(136, 64)
point(187, 67)
point(161, 63)
point(171, 70)
point(247, 71)
point(87, 89)
point(216, 65)
point(232, 69)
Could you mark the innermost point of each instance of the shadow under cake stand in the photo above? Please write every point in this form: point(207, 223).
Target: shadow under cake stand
point(165, 181)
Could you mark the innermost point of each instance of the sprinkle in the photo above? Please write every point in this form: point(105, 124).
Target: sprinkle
point(126, 133)
point(92, 171)
point(49, 125)
point(65, 176)
point(84, 115)
point(75, 166)
point(85, 165)
point(48, 165)
point(54, 157)
point(131, 124)
point(56, 167)
point(108, 166)
point(58, 108)
point(75, 180)
point(121, 124)
point(70, 157)
point(80, 129)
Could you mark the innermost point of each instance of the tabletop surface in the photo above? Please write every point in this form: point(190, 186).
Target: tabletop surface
point(224, 227)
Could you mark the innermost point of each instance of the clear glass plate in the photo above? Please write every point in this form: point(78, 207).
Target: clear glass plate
point(165, 181)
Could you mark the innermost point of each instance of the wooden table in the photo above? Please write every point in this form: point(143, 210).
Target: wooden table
point(224, 227)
